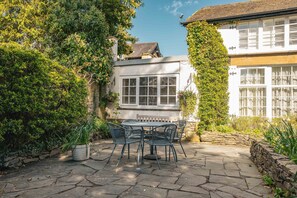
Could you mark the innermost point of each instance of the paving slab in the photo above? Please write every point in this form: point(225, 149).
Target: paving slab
point(210, 171)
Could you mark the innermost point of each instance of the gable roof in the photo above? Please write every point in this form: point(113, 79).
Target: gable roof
point(139, 49)
point(244, 10)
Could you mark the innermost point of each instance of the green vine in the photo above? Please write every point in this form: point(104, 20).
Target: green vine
point(209, 57)
point(187, 102)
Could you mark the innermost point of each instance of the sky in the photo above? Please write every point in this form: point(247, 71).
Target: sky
point(159, 21)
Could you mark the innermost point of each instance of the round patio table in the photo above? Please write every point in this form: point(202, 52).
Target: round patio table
point(151, 125)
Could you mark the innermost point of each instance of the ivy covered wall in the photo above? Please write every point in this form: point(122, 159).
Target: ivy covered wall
point(209, 58)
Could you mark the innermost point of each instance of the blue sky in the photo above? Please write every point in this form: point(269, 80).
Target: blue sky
point(158, 21)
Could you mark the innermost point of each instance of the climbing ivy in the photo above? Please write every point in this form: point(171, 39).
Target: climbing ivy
point(187, 102)
point(209, 57)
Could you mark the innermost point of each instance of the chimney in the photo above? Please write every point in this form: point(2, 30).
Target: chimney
point(114, 48)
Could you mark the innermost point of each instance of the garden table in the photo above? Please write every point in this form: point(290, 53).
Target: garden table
point(153, 126)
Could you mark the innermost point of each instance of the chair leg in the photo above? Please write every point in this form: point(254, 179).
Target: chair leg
point(166, 152)
point(174, 154)
point(122, 154)
point(111, 153)
point(156, 154)
point(128, 151)
point(182, 148)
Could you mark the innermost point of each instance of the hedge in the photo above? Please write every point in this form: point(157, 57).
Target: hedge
point(40, 99)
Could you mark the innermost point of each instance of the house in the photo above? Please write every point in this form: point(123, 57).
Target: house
point(144, 51)
point(150, 86)
point(261, 39)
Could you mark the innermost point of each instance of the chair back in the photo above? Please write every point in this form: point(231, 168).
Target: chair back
point(181, 124)
point(167, 134)
point(117, 132)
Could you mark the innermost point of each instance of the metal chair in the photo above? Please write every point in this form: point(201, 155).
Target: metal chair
point(164, 138)
point(181, 124)
point(120, 136)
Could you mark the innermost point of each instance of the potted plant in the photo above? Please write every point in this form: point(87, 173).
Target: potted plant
point(79, 140)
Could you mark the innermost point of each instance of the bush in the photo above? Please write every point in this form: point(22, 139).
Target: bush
point(39, 98)
point(101, 128)
point(254, 126)
point(283, 139)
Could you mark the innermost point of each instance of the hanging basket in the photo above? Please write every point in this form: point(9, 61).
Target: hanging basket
point(81, 152)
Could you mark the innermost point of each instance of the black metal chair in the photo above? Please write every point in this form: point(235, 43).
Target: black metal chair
point(121, 136)
point(181, 124)
point(164, 138)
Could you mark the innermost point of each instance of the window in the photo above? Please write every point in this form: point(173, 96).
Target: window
point(293, 31)
point(252, 92)
point(168, 90)
point(274, 33)
point(129, 91)
point(284, 91)
point(248, 35)
point(148, 91)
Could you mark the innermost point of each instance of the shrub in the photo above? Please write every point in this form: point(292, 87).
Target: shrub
point(39, 98)
point(283, 139)
point(101, 128)
point(255, 126)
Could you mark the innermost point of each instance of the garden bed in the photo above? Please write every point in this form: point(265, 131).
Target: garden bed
point(279, 167)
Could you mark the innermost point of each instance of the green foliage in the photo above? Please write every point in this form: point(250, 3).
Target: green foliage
point(187, 102)
point(268, 180)
point(80, 134)
point(102, 129)
point(254, 126)
point(23, 22)
point(283, 139)
point(39, 98)
point(222, 128)
point(209, 57)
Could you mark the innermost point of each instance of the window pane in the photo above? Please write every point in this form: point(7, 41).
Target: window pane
point(125, 82)
point(164, 90)
point(133, 91)
point(164, 81)
point(172, 81)
point(132, 100)
point(153, 81)
point(125, 100)
point(163, 100)
point(172, 100)
point(133, 82)
point(143, 81)
point(172, 90)
point(153, 91)
point(152, 100)
point(143, 91)
point(142, 100)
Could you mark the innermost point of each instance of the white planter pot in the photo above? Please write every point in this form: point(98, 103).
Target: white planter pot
point(81, 152)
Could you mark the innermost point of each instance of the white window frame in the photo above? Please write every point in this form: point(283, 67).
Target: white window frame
point(252, 34)
point(159, 105)
point(272, 36)
point(291, 31)
point(257, 85)
point(129, 90)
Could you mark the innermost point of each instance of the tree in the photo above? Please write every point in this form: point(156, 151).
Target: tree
point(209, 57)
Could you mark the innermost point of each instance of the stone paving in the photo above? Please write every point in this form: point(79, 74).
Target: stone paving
point(210, 171)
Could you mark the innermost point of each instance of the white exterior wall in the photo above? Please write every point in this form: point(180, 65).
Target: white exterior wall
point(230, 35)
point(168, 66)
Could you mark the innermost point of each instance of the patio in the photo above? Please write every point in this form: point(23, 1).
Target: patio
point(212, 171)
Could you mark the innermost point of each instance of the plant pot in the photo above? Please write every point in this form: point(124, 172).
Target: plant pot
point(81, 152)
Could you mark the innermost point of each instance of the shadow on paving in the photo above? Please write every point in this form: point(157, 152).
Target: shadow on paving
point(210, 171)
